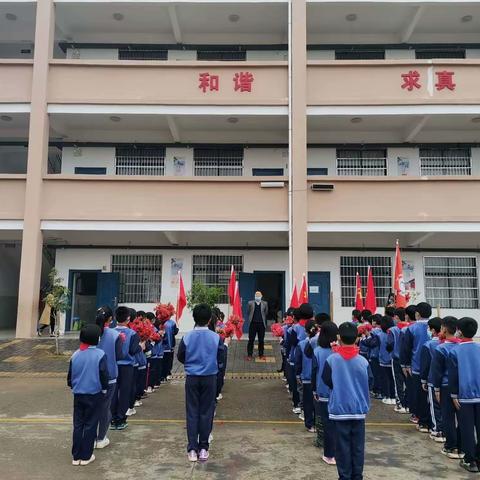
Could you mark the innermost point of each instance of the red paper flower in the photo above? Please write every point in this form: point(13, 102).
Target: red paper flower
point(164, 311)
point(277, 330)
point(237, 324)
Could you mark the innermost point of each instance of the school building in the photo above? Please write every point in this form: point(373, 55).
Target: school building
point(138, 138)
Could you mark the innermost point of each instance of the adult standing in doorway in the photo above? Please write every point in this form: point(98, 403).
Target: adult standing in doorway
point(257, 316)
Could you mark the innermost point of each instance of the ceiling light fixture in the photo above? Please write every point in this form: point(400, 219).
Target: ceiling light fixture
point(232, 120)
point(467, 18)
point(351, 17)
point(234, 18)
point(118, 16)
point(6, 118)
point(356, 120)
point(11, 16)
point(114, 118)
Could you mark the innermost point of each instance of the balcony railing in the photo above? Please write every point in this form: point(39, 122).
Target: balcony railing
point(438, 166)
point(139, 165)
point(373, 167)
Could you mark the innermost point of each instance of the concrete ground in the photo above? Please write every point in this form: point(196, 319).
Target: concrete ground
point(255, 436)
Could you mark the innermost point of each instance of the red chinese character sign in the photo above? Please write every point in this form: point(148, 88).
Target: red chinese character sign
point(411, 80)
point(445, 80)
point(208, 82)
point(242, 82)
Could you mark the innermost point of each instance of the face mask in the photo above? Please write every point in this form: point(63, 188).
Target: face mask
point(430, 334)
point(258, 299)
point(458, 334)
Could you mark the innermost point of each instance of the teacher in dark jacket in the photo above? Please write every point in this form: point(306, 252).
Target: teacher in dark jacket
point(257, 316)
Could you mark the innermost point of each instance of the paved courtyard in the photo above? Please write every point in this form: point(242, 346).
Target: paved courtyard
point(255, 434)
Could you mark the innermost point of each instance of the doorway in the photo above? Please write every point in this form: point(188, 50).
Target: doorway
point(83, 288)
point(272, 286)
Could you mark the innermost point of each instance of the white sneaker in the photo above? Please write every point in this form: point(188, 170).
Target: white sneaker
point(220, 396)
point(301, 416)
point(400, 410)
point(102, 443)
point(74, 462)
point(149, 390)
point(130, 412)
point(138, 403)
point(210, 438)
point(297, 410)
point(90, 460)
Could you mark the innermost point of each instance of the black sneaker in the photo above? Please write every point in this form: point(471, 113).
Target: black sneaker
point(122, 426)
point(469, 467)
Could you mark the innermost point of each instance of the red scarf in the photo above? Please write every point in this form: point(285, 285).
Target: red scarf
point(84, 346)
point(402, 325)
point(346, 351)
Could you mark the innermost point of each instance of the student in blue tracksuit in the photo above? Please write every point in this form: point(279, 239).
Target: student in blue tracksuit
point(385, 361)
point(111, 343)
point(88, 379)
point(325, 426)
point(464, 384)
point(393, 345)
point(303, 372)
point(124, 385)
point(415, 336)
point(348, 375)
point(303, 313)
point(426, 355)
point(439, 379)
point(171, 330)
point(373, 344)
point(201, 352)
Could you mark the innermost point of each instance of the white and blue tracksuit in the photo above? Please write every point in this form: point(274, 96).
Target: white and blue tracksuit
point(88, 379)
point(464, 385)
point(201, 351)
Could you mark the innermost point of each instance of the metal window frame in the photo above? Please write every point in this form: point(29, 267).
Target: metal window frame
point(449, 287)
point(362, 150)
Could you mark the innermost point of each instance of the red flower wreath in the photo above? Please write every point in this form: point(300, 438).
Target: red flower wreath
point(277, 330)
point(164, 311)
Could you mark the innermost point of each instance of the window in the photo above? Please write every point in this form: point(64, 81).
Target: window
point(140, 277)
point(214, 270)
point(218, 162)
point(382, 276)
point(362, 162)
point(445, 161)
point(140, 161)
point(224, 54)
point(445, 52)
point(451, 282)
point(360, 54)
point(142, 53)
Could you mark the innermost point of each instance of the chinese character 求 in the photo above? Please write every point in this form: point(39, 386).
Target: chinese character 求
point(410, 80)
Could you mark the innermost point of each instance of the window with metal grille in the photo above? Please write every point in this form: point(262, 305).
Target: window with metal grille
point(140, 161)
point(362, 162)
point(428, 53)
point(445, 161)
point(382, 276)
point(140, 277)
point(214, 271)
point(218, 162)
point(361, 54)
point(451, 282)
point(140, 53)
point(217, 53)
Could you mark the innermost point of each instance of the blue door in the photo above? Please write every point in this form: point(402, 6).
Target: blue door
point(107, 290)
point(246, 285)
point(319, 291)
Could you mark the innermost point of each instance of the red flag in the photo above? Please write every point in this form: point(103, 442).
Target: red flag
point(398, 282)
point(294, 303)
point(371, 298)
point(231, 286)
point(182, 298)
point(359, 297)
point(303, 297)
point(237, 302)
